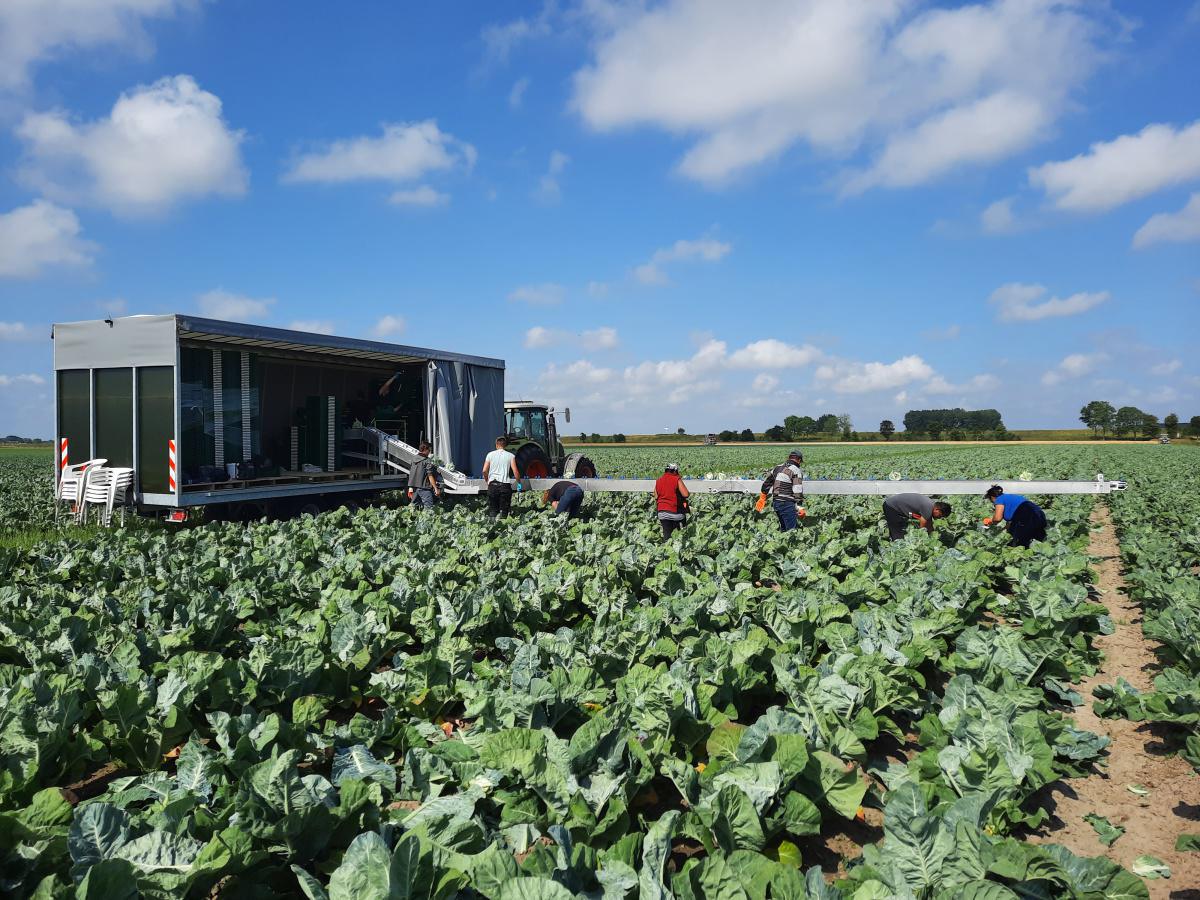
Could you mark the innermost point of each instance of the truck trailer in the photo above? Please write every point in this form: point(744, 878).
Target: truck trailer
point(255, 420)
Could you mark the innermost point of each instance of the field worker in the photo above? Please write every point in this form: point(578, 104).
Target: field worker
point(670, 494)
point(785, 485)
point(500, 473)
point(1026, 521)
point(565, 498)
point(900, 509)
point(422, 479)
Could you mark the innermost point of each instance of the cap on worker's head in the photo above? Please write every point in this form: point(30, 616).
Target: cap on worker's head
point(671, 467)
point(796, 454)
point(502, 441)
point(993, 492)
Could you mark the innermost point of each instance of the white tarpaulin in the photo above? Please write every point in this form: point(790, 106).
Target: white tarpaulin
point(464, 411)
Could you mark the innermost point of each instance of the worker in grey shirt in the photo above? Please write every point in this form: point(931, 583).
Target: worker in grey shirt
point(900, 509)
point(423, 486)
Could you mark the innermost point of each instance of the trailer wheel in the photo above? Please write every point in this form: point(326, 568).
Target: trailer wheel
point(309, 506)
point(576, 465)
point(532, 462)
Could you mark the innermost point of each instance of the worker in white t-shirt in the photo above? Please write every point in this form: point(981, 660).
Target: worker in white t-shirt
point(499, 473)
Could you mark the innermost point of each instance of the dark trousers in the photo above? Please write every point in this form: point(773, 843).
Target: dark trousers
point(897, 523)
point(499, 499)
point(669, 526)
point(786, 511)
point(570, 501)
point(423, 498)
point(1028, 524)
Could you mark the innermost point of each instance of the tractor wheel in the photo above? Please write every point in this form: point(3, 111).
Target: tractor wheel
point(576, 465)
point(532, 462)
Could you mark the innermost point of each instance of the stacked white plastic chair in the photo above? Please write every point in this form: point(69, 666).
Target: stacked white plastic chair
point(96, 488)
point(118, 492)
point(71, 483)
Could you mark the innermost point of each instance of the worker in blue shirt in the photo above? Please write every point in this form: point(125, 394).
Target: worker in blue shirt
point(1024, 519)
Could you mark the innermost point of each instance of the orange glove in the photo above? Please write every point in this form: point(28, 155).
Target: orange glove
point(800, 513)
point(987, 521)
point(761, 503)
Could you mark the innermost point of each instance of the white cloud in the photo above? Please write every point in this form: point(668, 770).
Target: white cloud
point(597, 288)
point(115, 307)
point(764, 383)
point(313, 326)
point(602, 338)
point(15, 380)
point(549, 187)
point(423, 195)
point(546, 294)
point(1177, 227)
point(901, 397)
point(516, 96)
point(35, 30)
point(499, 40)
point(848, 377)
point(162, 143)
point(976, 384)
point(773, 354)
point(538, 337)
point(933, 88)
point(998, 218)
point(15, 331)
point(1121, 170)
point(704, 249)
point(405, 151)
point(219, 304)
point(389, 326)
point(1076, 365)
point(1166, 368)
point(945, 333)
point(39, 235)
point(1023, 303)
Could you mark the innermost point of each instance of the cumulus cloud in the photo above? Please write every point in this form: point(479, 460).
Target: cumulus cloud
point(389, 326)
point(501, 38)
point(423, 196)
point(703, 249)
point(773, 354)
point(314, 326)
point(516, 96)
point(161, 144)
point(1170, 367)
point(40, 235)
point(603, 338)
point(1121, 170)
point(922, 90)
point(17, 380)
point(539, 337)
point(15, 331)
point(1024, 303)
point(998, 218)
point(1176, 227)
point(220, 304)
point(549, 187)
point(849, 377)
point(764, 383)
point(976, 384)
point(545, 294)
point(1073, 366)
point(405, 151)
point(35, 30)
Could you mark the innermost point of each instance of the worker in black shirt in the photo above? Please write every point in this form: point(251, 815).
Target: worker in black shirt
point(423, 485)
point(565, 498)
point(901, 509)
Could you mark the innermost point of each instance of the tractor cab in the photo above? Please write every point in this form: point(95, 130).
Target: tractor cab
point(533, 439)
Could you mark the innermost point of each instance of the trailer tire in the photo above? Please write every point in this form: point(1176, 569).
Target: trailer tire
point(576, 465)
point(532, 462)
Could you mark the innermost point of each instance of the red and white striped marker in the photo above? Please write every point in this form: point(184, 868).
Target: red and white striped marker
point(62, 454)
point(171, 465)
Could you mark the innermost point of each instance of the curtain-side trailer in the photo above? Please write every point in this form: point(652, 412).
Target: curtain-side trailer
point(262, 420)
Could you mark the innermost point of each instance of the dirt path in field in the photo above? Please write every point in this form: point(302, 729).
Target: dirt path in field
point(1137, 755)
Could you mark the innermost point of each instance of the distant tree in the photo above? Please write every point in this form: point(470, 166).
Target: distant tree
point(827, 424)
point(618, 438)
point(778, 433)
point(935, 430)
point(746, 435)
point(1194, 426)
point(887, 428)
point(845, 423)
point(1128, 420)
point(680, 430)
point(1171, 423)
point(800, 426)
point(595, 438)
point(727, 435)
point(1098, 415)
point(1150, 426)
point(957, 434)
point(582, 438)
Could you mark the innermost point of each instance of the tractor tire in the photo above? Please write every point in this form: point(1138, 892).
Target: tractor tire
point(532, 462)
point(576, 465)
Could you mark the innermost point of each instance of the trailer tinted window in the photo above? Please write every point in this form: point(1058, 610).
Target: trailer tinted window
point(114, 416)
point(75, 413)
point(156, 425)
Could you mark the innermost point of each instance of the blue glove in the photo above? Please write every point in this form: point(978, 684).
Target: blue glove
point(520, 487)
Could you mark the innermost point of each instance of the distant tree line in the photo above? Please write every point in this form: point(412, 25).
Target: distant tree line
point(593, 438)
point(799, 428)
point(17, 439)
point(730, 435)
point(1128, 421)
point(957, 423)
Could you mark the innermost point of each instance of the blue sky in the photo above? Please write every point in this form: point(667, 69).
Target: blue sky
point(696, 214)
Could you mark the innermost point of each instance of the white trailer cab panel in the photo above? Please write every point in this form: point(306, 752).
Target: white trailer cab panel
point(215, 412)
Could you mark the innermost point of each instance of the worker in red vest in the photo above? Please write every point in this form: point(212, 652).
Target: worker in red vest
point(670, 494)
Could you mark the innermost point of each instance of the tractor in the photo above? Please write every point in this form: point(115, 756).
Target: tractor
point(533, 439)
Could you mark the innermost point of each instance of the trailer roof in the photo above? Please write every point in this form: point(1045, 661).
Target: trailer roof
point(263, 337)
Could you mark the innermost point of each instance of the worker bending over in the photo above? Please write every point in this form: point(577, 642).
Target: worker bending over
point(671, 498)
point(499, 474)
point(1025, 520)
point(785, 486)
point(422, 479)
point(565, 498)
point(901, 509)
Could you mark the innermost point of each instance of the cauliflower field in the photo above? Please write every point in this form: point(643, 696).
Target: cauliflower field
point(393, 705)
